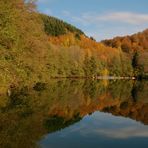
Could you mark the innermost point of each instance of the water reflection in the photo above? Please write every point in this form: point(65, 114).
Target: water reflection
point(76, 113)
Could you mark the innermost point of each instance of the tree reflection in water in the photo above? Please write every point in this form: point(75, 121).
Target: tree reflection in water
point(27, 114)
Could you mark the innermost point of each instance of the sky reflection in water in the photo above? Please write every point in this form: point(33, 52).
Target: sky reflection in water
point(100, 130)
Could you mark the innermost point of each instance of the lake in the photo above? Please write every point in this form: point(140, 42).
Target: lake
point(76, 114)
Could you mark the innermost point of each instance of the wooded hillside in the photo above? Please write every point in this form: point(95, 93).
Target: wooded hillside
point(136, 46)
point(35, 47)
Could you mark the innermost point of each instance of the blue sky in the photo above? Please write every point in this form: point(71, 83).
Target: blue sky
point(101, 19)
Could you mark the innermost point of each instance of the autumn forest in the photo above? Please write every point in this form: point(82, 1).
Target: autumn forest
point(35, 47)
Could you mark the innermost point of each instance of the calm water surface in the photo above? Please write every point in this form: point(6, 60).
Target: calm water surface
point(76, 114)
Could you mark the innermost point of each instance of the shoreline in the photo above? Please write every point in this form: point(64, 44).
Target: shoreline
point(98, 78)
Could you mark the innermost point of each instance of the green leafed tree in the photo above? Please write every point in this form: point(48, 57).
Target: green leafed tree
point(90, 66)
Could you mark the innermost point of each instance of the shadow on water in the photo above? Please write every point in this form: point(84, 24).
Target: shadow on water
point(27, 115)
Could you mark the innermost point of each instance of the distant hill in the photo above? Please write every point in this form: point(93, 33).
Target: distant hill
point(130, 44)
point(136, 46)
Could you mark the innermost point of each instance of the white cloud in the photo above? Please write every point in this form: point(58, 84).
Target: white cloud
point(126, 17)
point(122, 17)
